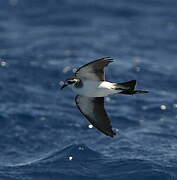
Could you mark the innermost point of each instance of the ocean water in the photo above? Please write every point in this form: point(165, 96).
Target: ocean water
point(43, 136)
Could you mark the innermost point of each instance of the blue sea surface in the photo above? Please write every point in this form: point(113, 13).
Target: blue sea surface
point(43, 136)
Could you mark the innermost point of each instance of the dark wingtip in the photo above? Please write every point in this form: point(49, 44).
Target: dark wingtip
point(146, 91)
point(111, 134)
point(140, 92)
point(108, 58)
point(134, 80)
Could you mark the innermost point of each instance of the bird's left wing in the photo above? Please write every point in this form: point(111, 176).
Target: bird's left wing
point(93, 109)
point(94, 70)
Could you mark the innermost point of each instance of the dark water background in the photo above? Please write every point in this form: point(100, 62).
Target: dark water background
point(42, 134)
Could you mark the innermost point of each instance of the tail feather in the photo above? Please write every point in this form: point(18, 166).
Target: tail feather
point(129, 88)
point(140, 92)
point(130, 85)
point(133, 92)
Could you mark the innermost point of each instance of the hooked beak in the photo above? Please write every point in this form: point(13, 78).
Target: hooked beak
point(64, 85)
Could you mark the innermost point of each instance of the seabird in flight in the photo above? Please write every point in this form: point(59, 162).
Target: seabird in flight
point(91, 87)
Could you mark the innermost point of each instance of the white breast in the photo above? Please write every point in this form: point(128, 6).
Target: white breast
point(95, 89)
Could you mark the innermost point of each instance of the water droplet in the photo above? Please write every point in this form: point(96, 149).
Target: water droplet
point(163, 107)
point(66, 69)
point(61, 83)
point(90, 126)
point(81, 148)
point(70, 158)
point(3, 63)
point(117, 130)
point(175, 105)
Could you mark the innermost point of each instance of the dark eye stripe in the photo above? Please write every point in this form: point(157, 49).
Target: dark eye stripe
point(70, 82)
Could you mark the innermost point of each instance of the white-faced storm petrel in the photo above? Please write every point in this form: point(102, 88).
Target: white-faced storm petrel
point(91, 88)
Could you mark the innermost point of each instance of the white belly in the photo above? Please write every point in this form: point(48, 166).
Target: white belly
point(95, 89)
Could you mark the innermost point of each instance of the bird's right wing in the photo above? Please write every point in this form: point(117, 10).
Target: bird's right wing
point(93, 109)
point(94, 70)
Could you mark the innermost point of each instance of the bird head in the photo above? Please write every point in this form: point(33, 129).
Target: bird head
point(70, 82)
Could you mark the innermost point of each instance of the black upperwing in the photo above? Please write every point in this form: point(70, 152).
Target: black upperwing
point(94, 70)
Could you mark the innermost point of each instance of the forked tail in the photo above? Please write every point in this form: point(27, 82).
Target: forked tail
point(129, 88)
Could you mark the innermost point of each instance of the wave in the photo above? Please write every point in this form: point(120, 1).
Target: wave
point(78, 161)
point(72, 152)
